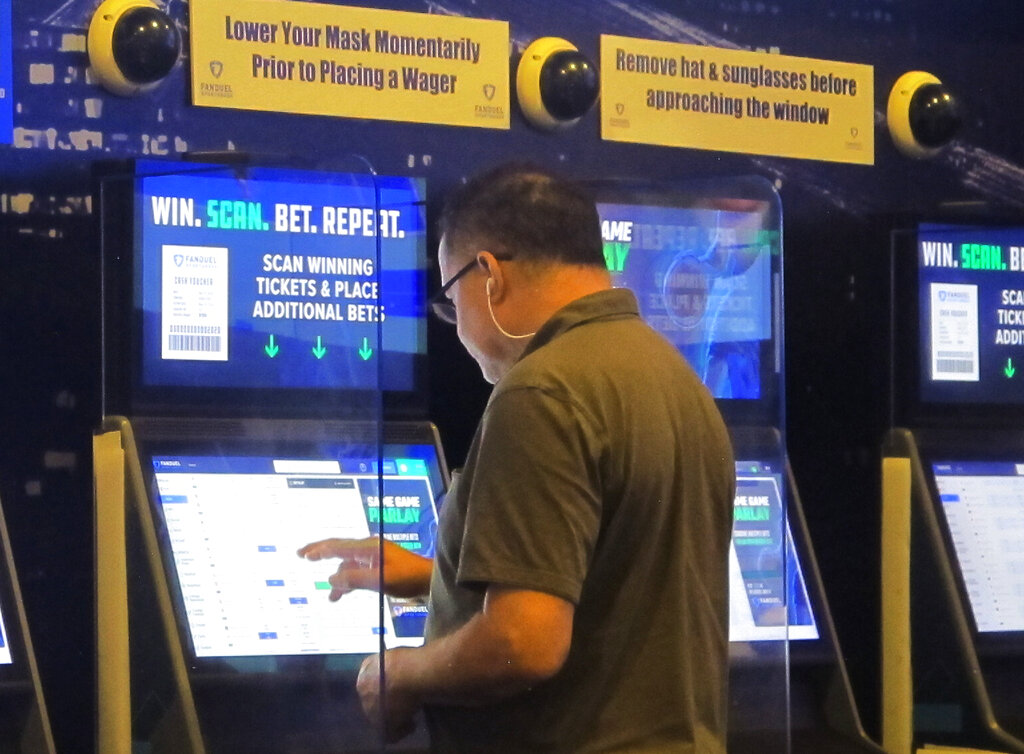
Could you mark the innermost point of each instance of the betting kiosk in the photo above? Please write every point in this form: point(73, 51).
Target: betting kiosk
point(24, 722)
point(263, 327)
point(953, 470)
point(705, 260)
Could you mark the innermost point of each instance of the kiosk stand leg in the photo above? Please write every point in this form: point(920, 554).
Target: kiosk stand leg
point(897, 675)
point(36, 735)
point(120, 493)
point(36, 738)
point(113, 672)
point(172, 730)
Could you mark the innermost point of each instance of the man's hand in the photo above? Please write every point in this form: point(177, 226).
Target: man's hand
point(389, 710)
point(404, 574)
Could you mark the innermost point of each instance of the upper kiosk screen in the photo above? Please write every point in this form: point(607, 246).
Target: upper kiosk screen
point(257, 286)
point(704, 259)
point(971, 314)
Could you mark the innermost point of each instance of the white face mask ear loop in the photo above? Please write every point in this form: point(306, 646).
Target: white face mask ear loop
point(501, 329)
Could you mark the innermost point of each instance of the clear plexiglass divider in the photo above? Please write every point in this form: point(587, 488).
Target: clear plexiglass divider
point(704, 257)
point(256, 317)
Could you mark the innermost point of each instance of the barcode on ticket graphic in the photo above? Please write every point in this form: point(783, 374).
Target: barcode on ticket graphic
point(950, 364)
point(194, 343)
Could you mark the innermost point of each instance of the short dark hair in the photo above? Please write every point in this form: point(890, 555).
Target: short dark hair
point(524, 212)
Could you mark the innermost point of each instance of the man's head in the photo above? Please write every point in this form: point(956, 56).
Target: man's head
point(527, 213)
point(517, 244)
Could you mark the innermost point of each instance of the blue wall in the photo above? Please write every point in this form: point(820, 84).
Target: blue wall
point(836, 245)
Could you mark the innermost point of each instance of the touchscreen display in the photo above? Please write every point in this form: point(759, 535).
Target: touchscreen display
point(235, 523)
point(971, 314)
point(275, 278)
point(768, 597)
point(983, 504)
point(703, 279)
point(5, 647)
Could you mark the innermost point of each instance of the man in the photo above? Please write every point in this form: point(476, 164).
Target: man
point(578, 599)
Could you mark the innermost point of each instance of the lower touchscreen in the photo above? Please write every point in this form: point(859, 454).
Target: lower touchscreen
point(983, 503)
point(5, 647)
point(234, 525)
point(768, 597)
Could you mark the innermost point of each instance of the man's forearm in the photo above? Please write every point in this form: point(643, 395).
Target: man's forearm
point(518, 640)
point(408, 578)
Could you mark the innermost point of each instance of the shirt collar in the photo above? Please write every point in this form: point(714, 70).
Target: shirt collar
point(614, 303)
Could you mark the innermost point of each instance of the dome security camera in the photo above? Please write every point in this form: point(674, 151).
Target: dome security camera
point(555, 83)
point(922, 114)
point(132, 45)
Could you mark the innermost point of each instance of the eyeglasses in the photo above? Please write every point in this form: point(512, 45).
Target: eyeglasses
point(443, 307)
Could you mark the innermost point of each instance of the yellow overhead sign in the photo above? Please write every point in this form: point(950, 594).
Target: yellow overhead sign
point(318, 59)
point(700, 97)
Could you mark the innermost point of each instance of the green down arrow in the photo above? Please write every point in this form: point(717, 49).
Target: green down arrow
point(366, 352)
point(319, 351)
point(271, 349)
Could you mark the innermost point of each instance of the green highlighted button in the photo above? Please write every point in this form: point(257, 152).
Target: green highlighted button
point(322, 584)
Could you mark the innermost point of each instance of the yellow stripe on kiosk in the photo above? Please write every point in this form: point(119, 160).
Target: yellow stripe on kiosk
point(897, 676)
point(113, 675)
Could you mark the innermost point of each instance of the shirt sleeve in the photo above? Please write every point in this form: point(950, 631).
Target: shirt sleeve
point(534, 508)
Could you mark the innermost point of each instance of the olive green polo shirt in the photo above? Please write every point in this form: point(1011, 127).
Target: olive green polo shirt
point(600, 472)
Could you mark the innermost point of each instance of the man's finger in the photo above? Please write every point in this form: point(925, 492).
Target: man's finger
point(356, 549)
point(317, 550)
point(350, 576)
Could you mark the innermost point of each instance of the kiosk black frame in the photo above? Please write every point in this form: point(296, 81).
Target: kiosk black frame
point(126, 391)
point(215, 704)
point(963, 678)
point(818, 707)
point(158, 691)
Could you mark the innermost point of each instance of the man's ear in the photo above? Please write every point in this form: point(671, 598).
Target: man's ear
point(495, 279)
